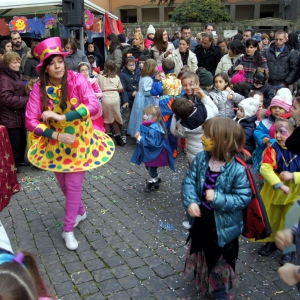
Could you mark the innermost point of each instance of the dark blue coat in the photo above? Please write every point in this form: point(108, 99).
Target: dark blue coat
point(249, 125)
point(267, 90)
point(130, 83)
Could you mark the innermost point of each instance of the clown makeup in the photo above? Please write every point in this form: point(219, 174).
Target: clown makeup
point(148, 117)
point(277, 111)
point(282, 133)
point(207, 142)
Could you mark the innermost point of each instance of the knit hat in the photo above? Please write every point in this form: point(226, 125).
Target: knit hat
point(122, 38)
point(286, 93)
point(250, 106)
point(150, 29)
point(206, 78)
point(239, 77)
point(283, 98)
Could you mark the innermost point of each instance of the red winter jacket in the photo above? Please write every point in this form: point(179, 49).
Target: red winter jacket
point(12, 98)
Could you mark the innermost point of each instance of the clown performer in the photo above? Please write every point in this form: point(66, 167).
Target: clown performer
point(58, 113)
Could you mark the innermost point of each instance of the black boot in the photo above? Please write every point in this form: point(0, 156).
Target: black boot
point(152, 185)
point(267, 249)
point(287, 258)
point(119, 140)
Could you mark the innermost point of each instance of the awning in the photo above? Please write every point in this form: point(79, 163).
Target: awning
point(32, 7)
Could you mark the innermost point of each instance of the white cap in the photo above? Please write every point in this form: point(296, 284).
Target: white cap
point(150, 29)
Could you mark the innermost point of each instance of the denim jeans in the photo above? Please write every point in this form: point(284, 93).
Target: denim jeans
point(220, 294)
point(152, 171)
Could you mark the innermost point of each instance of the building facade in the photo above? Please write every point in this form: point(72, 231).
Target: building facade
point(131, 11)
point(289, 9)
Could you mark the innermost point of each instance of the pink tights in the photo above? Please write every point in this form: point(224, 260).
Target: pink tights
point(71, 186)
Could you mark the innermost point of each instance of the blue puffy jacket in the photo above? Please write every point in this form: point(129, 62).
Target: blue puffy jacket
point(232, 194)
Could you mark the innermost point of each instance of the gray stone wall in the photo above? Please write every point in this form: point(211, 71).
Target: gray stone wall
point(171, 28)
point(289, 9)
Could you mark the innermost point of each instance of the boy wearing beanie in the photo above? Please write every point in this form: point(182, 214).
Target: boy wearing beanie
point(246, 117)
point(149, 37)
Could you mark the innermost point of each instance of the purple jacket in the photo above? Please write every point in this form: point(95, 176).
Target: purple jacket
point(12, 98)
point(78, 87)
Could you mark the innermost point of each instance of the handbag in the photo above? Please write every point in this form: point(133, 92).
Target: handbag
point(256, 222)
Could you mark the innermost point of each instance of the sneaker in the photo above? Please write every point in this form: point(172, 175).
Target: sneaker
point(79, 218)
point(186, 225)
point(124, 138)
point(70, 240)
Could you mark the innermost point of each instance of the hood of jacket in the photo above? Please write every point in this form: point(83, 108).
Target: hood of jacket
point(4, 69)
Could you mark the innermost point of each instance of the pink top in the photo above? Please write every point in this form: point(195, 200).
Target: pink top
point(96, 87)
point(78, 87)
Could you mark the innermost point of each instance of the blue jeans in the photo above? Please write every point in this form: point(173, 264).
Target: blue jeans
point(152, 171)
point(220, 294)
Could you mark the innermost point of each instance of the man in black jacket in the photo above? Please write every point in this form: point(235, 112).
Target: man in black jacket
point(208, 54)
point(282, 62)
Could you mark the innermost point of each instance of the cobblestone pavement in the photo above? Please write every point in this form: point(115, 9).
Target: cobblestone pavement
point(124, 252)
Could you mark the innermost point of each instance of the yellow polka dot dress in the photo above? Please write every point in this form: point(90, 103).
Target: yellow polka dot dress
point(91, 149)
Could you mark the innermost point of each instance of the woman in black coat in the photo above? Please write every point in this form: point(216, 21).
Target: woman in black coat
point(92, 49)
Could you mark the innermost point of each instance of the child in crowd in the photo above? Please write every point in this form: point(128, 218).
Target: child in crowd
point(142, 60)
point(111, 86)
point(143, 97)
point(265, 131)
point(215, 191)
point(191, 87)
point(193, 92)
point(261, 110)
point(20, 278)
point(281, 171)
point(183, 70)
point(97, 119)
point(130, 77)
point(241, 88)
point(260, 78)
point(206, 79)
point(168, 90)
point(152, 146)
point(239, 77)
point(95, 69)
point(246, 117)
point(296, 106)
point(149, 40)
point(188, 119)
point(223, 96)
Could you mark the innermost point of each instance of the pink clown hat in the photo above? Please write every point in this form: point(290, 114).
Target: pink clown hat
point(48, 47)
